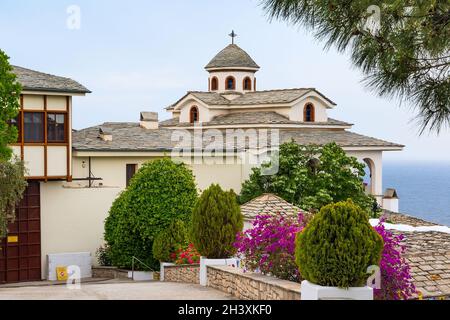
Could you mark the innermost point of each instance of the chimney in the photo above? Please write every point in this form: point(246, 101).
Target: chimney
point(105, 134)
point(149, 120)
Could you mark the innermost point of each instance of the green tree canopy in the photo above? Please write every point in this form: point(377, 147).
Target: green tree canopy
point(403, 47)
point(162, 191)
point(311, 177)
point(12, 171)
point(9, 106)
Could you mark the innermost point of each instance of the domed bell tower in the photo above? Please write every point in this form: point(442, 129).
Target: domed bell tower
point(232, 71)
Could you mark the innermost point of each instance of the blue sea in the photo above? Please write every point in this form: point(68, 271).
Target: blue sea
point(423, 189)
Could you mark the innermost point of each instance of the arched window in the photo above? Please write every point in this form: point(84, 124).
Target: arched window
point(247, 84)
point(230, 83)
point(195, 115)
point(309, 113)
point(214, 84)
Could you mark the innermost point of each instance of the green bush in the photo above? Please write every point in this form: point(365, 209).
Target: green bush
point(160, 192)
point(216, 220)
point(338, 246)
point(169, 240)
point(103, 256)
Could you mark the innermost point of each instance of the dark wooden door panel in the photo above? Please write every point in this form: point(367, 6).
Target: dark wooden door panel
point(20, 253)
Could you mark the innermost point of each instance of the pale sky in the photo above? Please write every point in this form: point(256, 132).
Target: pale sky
point(141, 55)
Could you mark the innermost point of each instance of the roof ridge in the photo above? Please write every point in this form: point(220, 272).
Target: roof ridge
point(287, 89)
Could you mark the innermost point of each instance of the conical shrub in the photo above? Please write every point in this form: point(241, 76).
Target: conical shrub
point(169, 240)
point(216, 220)
point(338, 246)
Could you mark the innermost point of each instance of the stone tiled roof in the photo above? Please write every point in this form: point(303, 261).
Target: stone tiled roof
point(282, 96)
point(242, 118)
point(341, 137)
point(268, 204)
point(428, 255)
point(232, 57)
point(37, 81)
point(131, 137)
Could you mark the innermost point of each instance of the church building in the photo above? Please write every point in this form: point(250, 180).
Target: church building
point(76, 175)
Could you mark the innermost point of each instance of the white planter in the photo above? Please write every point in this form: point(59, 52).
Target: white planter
point(310, 291)
point(204, 262)
point(161, 271)
point(140, 275)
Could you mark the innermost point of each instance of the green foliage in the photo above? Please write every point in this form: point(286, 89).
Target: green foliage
point(9, 106)
point(216, 220)
point(169, 240)
point(311, 177)
point(337, 246)
point(161, 192)
point(103, 255)
point(12, 187)
point(405, 53)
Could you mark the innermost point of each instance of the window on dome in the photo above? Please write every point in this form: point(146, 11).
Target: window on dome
point(214, 84)
point(230, 83)
point(247, 84)
point(309, 113)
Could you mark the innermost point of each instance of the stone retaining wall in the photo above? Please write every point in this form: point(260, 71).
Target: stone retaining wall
point(182, 273)
point(251, 286)
point(109, 273)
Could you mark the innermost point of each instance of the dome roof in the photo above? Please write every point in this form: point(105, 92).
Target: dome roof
point(232, 57)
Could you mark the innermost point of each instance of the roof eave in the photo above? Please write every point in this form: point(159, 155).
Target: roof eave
point(35, 89)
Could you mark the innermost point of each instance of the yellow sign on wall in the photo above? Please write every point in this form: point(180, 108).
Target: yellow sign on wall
point(13, 239)
point(61, 273)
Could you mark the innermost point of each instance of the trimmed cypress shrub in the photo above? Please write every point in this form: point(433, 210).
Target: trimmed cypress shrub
point(161, 191)
point(169, 240)
point(337, 247)
point(216, 220)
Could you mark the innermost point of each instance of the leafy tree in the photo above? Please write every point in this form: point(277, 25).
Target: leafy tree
point(337, 246)
point(168, 241)
point(12, 181)
point(12, 187)
point(403, 47)
point(311, 177)
point(9, 106)
point(216, 220)
point(162, 191)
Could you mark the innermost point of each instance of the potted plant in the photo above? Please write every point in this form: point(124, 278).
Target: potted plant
point(166, 244)
point(335, 251)
point(216, 220)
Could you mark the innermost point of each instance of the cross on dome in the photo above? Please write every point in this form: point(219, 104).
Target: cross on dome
point(233, 35)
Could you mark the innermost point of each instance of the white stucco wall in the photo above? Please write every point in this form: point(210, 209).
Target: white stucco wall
point(376, 157)
point(320, 109)
point(72, 220)
point(239, 76)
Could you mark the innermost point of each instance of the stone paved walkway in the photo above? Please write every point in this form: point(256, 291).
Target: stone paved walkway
point(116, 291)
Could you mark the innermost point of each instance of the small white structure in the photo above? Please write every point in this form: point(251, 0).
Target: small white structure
point(140, 275)
point(312, 291)
point(79, 259)
point(391, 201)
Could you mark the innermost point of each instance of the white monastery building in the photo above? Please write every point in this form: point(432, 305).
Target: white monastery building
point(74, 176)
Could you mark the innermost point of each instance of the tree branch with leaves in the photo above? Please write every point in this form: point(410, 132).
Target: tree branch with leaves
point(12, 170)
point(402, 47)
